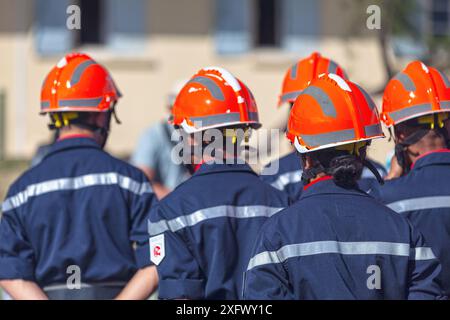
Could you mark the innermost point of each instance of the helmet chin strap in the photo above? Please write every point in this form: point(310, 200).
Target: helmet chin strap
point(401, 148)
point(311, 173)
point(374, 170)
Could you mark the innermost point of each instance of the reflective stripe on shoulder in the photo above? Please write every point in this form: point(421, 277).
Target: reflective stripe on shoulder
point(287, 178)
point(337, 247)
point(420, 204)
point(76, 183)
point(192, 219)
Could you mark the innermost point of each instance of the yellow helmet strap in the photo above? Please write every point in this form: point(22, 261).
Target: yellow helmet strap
point(62, 119)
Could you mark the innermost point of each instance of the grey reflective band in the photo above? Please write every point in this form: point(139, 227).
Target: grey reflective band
point(287, 178)
point(253, 116)
point(77, 73)
point(406, 81)
point(207, 121)
point(291, 95)
point(342, 248)
point(424, 253)
point(53, 287)
point(45, 104)
point(213, 88)
point(242, 212)
point(411, 111)
point(444, 77)
point(80, 102)
point(332, 67)
point(373, 130)
point(294, 71)
point(322, 98)
point(76, 183)
point(369, 99)
point(422, 203)
point(445, 104)
point(328, 138)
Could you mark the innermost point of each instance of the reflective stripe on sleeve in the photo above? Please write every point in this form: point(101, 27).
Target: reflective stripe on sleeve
point(422, 203)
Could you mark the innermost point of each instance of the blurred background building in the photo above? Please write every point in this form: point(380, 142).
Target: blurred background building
point(149, 44)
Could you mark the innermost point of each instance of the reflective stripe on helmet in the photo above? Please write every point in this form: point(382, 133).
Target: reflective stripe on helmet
point(322, 98)
point(291, 95)
point(369, 100)
point(328, 138)
point(213, 88)
point(332, 67)
point(45, 104)
point(445, 79)
point(410, 111)
point(80, 102)
point(215, 119)
point(445, 104)
point(76, 76)
point(91, 102)
point(227, 76)
point(211, 120)
point(373, 130)
point(253, 116)
point(294, 71)
point(406, 81)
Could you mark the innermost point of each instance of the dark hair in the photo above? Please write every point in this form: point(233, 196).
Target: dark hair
point(345, 168)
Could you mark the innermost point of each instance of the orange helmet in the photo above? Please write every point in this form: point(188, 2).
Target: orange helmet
point(331, 112)
point(78, 84)
point(214, 98)
point(416, 91)
point(300, 75)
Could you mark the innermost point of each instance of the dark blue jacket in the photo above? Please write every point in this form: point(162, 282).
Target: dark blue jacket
point(287, 175)
point(423, 196)
point(337, 243)
point(205, 229)
point(79, 207)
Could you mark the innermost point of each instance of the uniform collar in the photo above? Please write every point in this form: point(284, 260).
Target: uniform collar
point(72, 143)
point(211, 167)
point(326, 185)
point(441, 156)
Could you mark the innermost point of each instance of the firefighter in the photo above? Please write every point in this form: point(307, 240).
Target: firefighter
point(296, 79)
point(416, 106)
point(74, 226)
point(336, 241)
point(203, 231)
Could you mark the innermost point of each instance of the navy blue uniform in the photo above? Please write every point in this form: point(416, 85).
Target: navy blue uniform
point(337, 243)
point(78, 207)
point(423, 196)
point(206, 228)
point(289, 176)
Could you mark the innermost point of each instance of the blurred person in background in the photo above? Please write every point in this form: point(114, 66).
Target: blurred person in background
point(296, 79)
point(75, 225)
point(153, 153)
point(202, 233)
point(336, 241)
point(416, 106)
